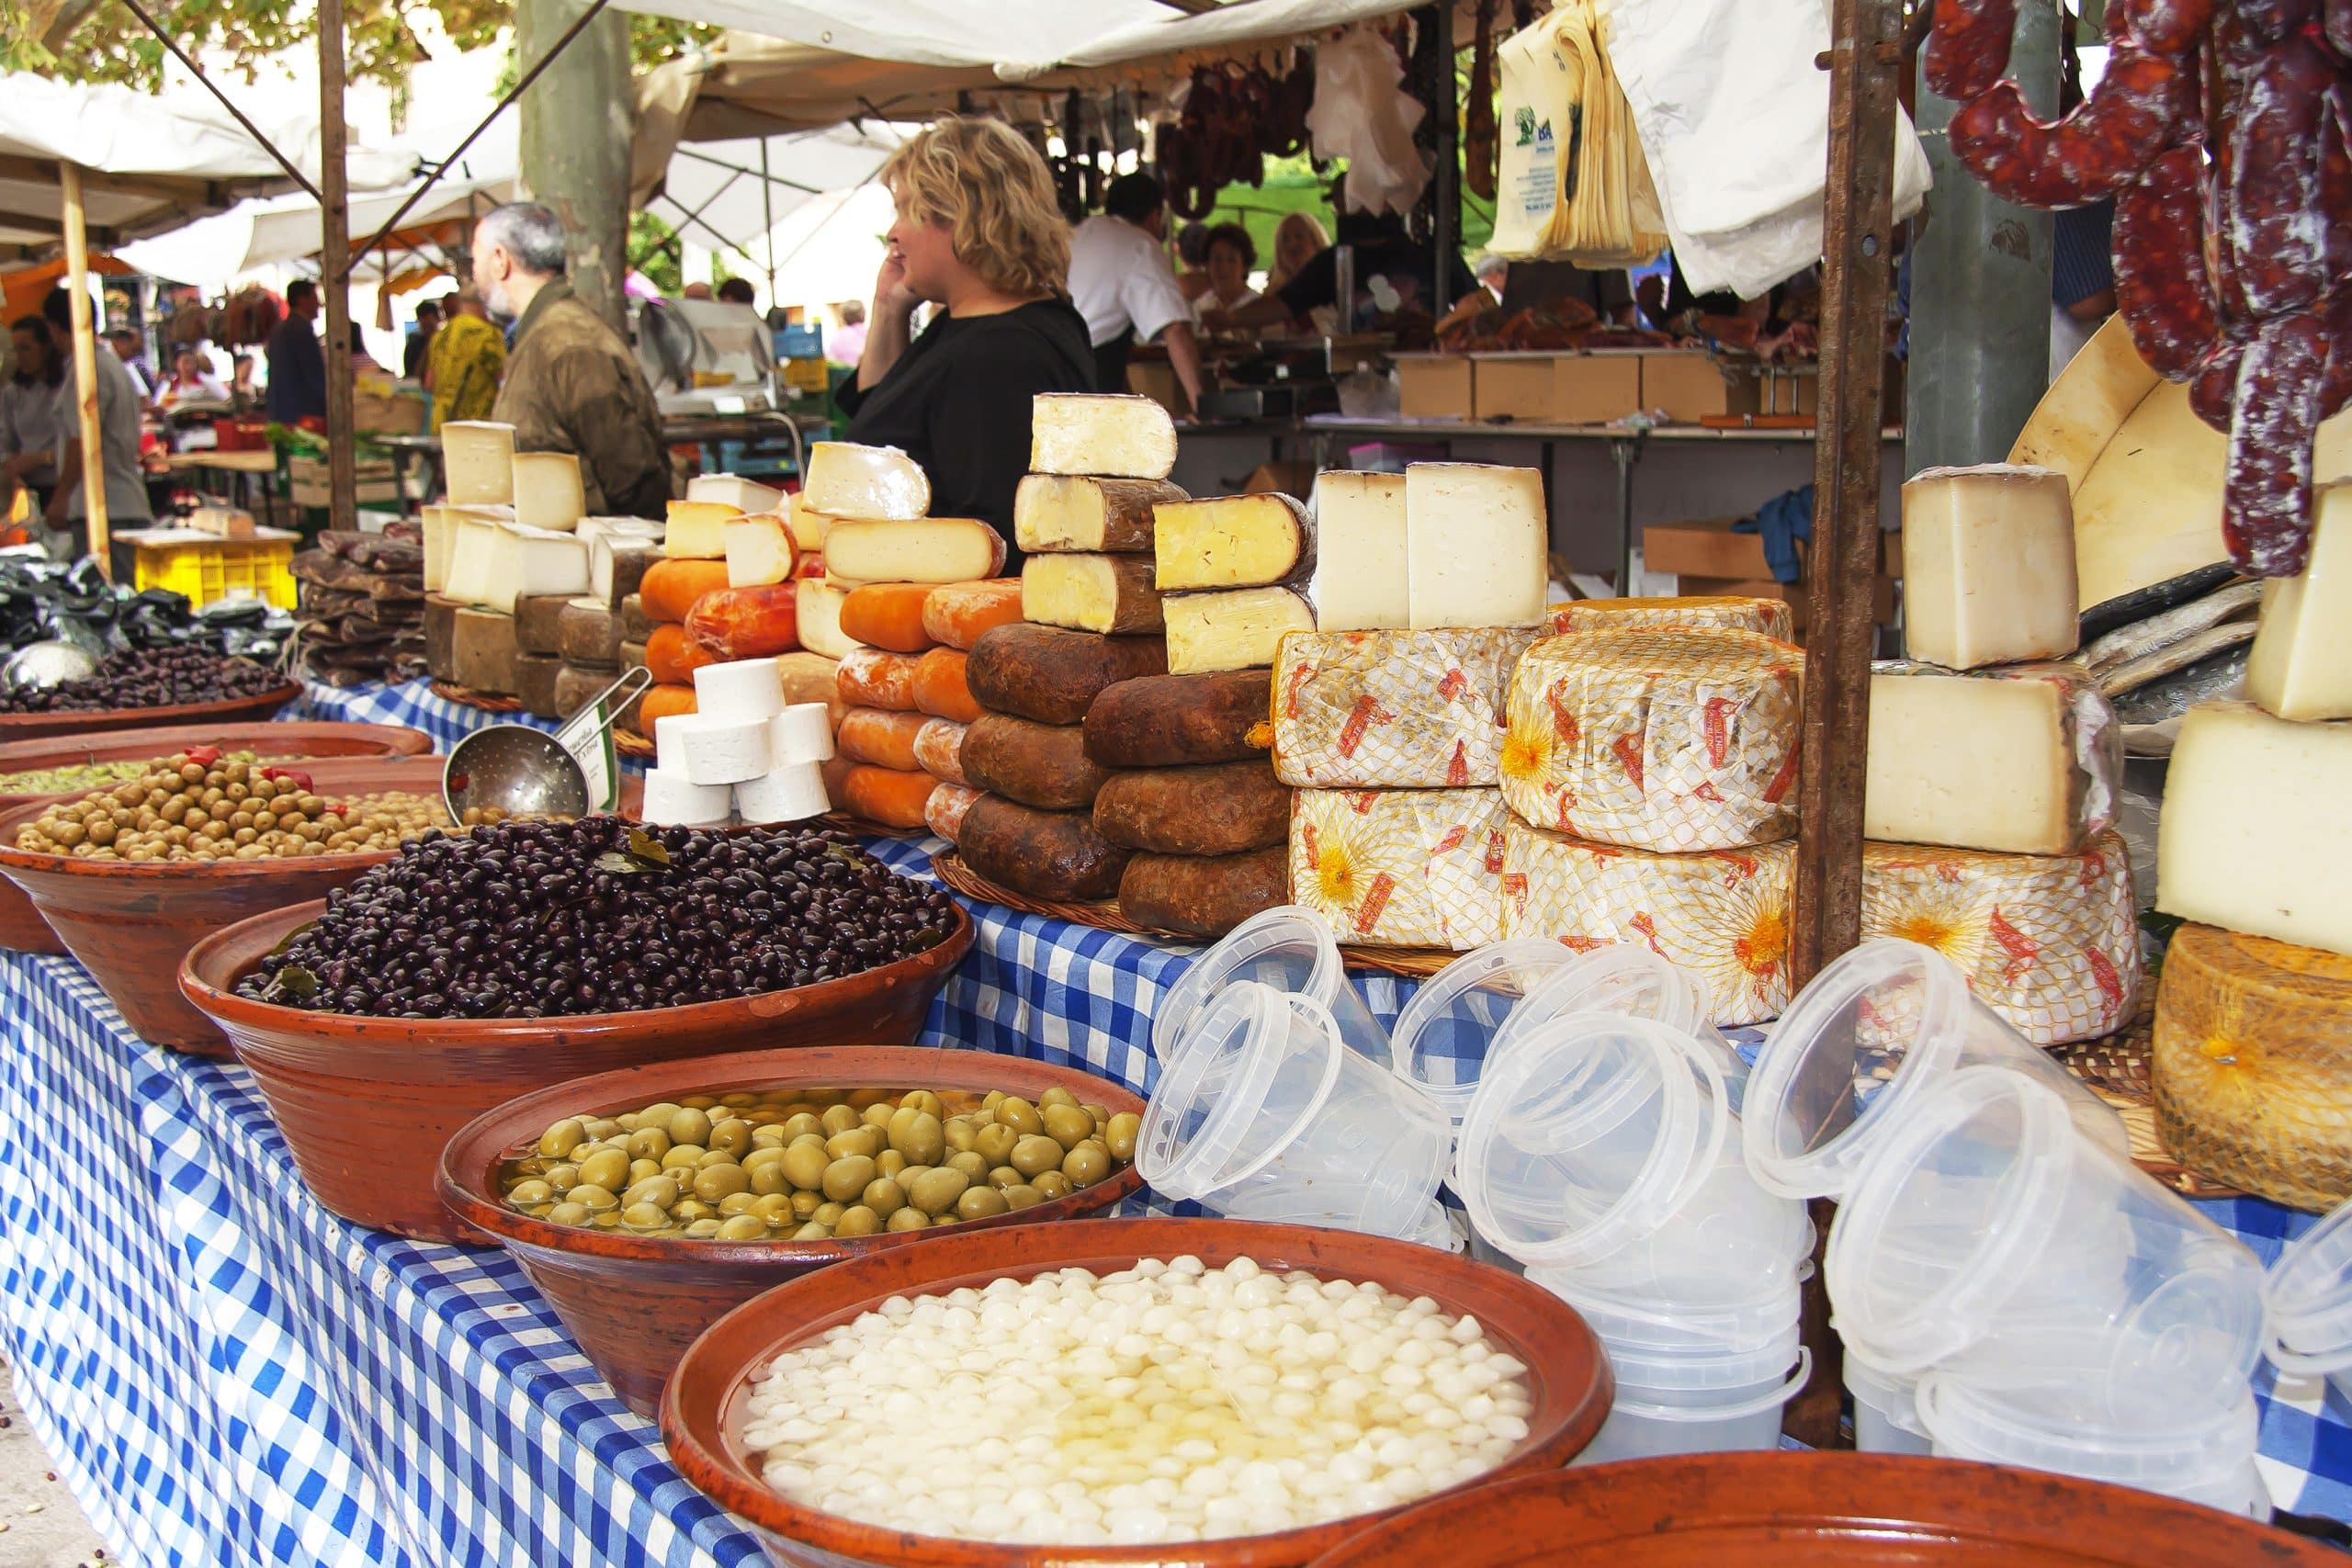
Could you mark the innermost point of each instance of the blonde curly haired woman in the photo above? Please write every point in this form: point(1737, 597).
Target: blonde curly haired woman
point(976, 233)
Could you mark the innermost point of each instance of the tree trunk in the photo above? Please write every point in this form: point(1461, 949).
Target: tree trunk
point(579, 119)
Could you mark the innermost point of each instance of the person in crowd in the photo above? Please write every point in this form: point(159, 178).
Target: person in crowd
point(469, 359)
point(1299, 238)
point(1492, 272)
point(1120, 281)
point(132, 352)
point(738, 291)
point(30, 434)
point(572, 385)
point(976, 233)
point(848, 343)
point(1192, 260)
point(1393, 273)
point(241, 389)
point(1232, 254)
point(119, 403)
point(191, 379)
point(298, 366)
point(417, 352)
point(694, 291)
point(2081, 280)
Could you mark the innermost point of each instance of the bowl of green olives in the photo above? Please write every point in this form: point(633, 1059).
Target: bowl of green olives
point(646, 1203)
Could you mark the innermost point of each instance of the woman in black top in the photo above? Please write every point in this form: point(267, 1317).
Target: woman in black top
point(979, 234)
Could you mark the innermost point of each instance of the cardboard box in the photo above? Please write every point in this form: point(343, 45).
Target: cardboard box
point(1687, 385)
point(1293, 478)
point(1557, 388)
point(1433, 386)
point(1156, 379)
point(1794, 595)
point(1706, 546)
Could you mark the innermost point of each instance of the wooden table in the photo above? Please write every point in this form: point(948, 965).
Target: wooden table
point(246, 473)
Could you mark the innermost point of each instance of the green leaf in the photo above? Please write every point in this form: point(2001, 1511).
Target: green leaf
point(296, 983)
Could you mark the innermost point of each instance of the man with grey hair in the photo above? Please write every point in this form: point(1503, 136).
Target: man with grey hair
point(571, 383)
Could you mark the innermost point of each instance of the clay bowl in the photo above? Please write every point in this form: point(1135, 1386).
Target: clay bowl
point(1817, 1510)
point(21, 928)
point(369, 1103)
point(674, 1288)
point(236, 710)
point(703, 1409)
point(130, 924)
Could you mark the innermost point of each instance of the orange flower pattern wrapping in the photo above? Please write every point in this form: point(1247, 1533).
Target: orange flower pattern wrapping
point(1401, 868)
point(2051, 943)
point(1772, 617)
point(1394, 709)
point(1676, 741)
point(1722, 913)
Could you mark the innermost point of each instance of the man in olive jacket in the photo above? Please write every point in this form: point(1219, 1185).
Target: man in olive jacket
point(571, 384)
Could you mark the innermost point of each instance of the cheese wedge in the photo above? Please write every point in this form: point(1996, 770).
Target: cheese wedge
point(697, 530)
point(1360, 560)
point(617, 564)
point(919, 550)
point(1091, 593)
point(2024, 759)
point(478, 461)
point(817, 612)
point(2254, 835)
point(759, 551)
point(532, 563)
point(1231, 541)
point(440, 544)
point(1057, 511)
point(1237, 629)
point(547, 492)
point(2301, 663)
point(1988, 566)
point(1474, 542)
point(808, 524)
point(734, 489)
point(1109, 434)
point(846, 479)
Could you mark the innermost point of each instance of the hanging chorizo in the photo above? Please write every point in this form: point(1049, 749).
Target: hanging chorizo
point(2160, 280)
point(2094, 151)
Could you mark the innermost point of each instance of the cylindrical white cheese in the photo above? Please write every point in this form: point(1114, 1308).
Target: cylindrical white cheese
point(788, 795)
point(804, 733)
point(674, 801)
point(722, 750)
point(670, 743)
point(745, 689)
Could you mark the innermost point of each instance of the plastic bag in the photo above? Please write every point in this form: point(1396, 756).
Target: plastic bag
point(1361, 113)
point(1575, 184)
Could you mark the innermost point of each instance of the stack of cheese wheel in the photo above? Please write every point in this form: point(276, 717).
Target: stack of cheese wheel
point(1994, 773)
point(1091, 620)
point(1429, 587)
point(955, 617)
point(745, 753)
point(2253, 1051)
point(884, 555)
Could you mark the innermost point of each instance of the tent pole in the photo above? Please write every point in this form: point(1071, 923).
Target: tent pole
point(334, 215)
point(86, 369)
point(767, 217)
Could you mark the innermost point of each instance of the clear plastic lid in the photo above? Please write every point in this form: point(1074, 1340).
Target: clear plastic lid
point(1446, 1032)
point(2307, 1300)
point(1876, 1030)
point(2046, 1430)
point(1249, 1071)
point(1589, 1134)
point(1290, 948)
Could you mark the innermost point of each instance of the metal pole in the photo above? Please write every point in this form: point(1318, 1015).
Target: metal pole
point(768, 220)
point(1446, 218)
point(86, 368)
point(334, 215)
point(237, 114)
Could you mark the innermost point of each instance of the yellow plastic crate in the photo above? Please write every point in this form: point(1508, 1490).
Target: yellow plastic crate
point(207, 570)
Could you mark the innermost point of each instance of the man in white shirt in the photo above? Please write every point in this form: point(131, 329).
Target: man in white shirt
point(1121, 282)
point(118, 405)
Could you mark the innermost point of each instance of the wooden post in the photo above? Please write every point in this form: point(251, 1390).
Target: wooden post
point(85, 367)
point(1864, 60)
point(334, 273)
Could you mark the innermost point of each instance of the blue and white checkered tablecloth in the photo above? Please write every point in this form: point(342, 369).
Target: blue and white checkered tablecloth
point(411, 703)
point(228, 1375)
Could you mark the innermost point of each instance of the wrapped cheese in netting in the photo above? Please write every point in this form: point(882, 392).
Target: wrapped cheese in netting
point(1394, 709)
point(1674, 741)
point(1739, 612)
point(1401, 868)
point(1575, 184)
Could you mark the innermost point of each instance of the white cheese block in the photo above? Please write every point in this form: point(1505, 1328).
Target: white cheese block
point(734, 489)
point(548, 492)
point(473, 531)
point(669, 743)
point(2255, 835)
point(1116, 435)
point(919, 550)
point(791, 793)
point(1988, 566)
point(722, 750)
point(1231, 541)
point(440, 544)
point(808, 526)
point(846, 479)
point(759, 551)
point(816, 611)
point(803, 732)
point(1090, 592)
point(2301, 663)
point(741, 689)
point(617, 564)
point(1360, 562)
point(1238, 628)
point(478, 461)
point(1475, 541)
point(674, 801)
point(697, 530)
point(530, 563)
point(2025, 759)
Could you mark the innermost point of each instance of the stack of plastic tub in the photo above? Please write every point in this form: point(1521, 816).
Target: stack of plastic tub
point(1290, 948)
point(1600, 1150)
point(1997, 1255)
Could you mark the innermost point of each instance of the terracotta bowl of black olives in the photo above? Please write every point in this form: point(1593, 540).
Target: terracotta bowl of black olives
point(646, 1203)
point(467, 970)
point(148, 688)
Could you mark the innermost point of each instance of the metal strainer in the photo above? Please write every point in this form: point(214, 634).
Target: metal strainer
point(523, 772)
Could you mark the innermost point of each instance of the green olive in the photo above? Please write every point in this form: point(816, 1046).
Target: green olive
point(878, 1116)
point(960, 1133)
point(769, 1177)
point(909, 1219)
point(714, 1183)
point(562, 1177)
point(1003, 1176)
point(1120, 1136)
point(812, 1231)
point(970, 1162)
point(935, 1192)
point(805, 1204)
point(1101, 1113)
point(848, 1177)
point(922, 1100)
point(1052, 1184)
point(1020, 1115)
point(774, 1210)
point(981, 1203)
point(648, 1143)
point(683, 1156)
point(733, 1135)
point(605, 1168)
point(890, 1162)
point(801, 1125)
point(595, 1200)
point(828, 1214)
point(838, 1119)
point(686, 1210)
point(1056, 1096)
point(639, 1169)
point(805, 1163)
point(1035, 1153)
point(662, 1191)
point(770, 1136)
point(558, 1141)
point(659, 1115)
point(859, 1221)
point(715, 1156)
point(863, 1099)
point(994, 1144)
point(1087, 1164)
point(867, 1141)
point(645, 1217)
point(699, 1101)
point(1023, 1197)
point(743, 1228)
point(993, 1098)
point(570, 1214)
point(736, 1203)
point(884, 1196)
point(739, 1099)
point(703, 1230)
point(1067, 1124)
point(919, 1135)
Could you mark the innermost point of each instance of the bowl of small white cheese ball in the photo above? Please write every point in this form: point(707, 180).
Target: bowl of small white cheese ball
point(1135, 1390)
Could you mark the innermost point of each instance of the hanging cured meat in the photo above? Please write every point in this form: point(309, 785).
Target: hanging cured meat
point(2223, 131)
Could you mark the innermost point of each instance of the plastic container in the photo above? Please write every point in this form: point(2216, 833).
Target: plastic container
point(1984, 1238)
point(1264, 1110)
point(1290, 948)
point(2307, 1303)
point(207, 568)
point(2206, 1459)
point(1681, 1393)
point(1872, 1034)
point(1445, 1036)
point(1886, 1413)
point(1588, 1136)
point(1731, 1247)
point(1620, 978)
